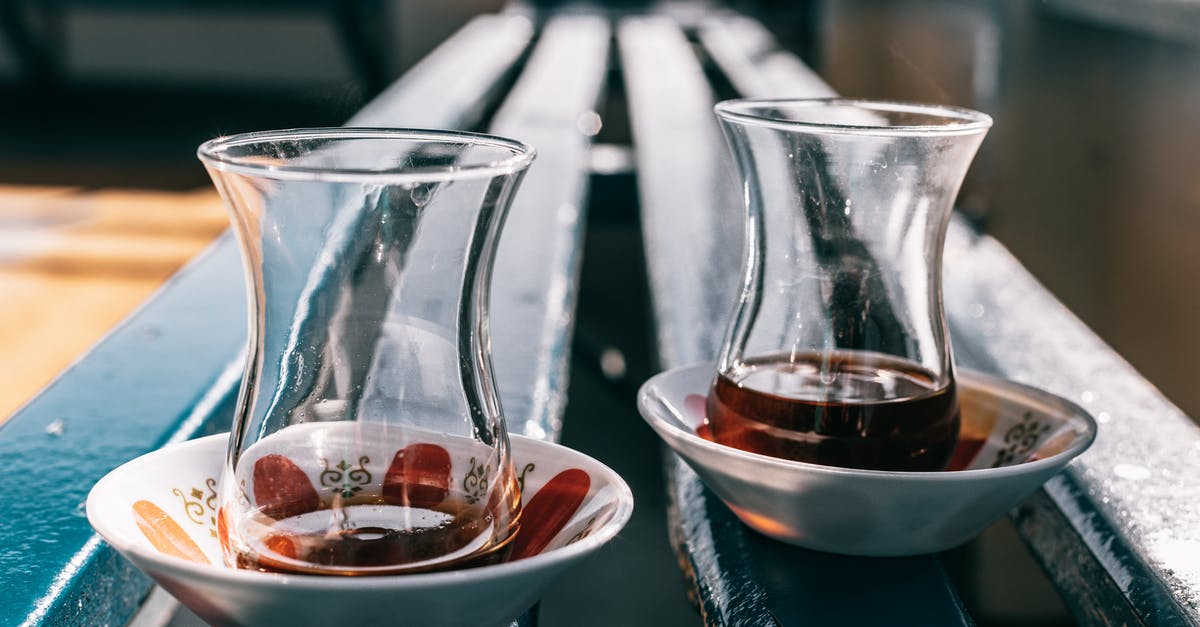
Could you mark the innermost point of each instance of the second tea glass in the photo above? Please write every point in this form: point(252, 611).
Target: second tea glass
point(837, 352)
point(368, 436)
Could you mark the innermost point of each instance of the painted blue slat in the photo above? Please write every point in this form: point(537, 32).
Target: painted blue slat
point(168, 372)
point(541, 246)
point(119, 401)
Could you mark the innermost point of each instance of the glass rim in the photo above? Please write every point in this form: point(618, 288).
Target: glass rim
point(214, 154)
point(957, 120)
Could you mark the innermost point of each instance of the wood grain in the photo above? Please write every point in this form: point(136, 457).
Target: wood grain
point(75, 262)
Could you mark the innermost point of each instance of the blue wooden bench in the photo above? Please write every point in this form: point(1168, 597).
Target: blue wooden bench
point(1117, 533)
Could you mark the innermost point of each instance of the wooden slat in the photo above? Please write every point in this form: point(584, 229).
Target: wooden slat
point(691, 217)
point(692, 238)
point(692, 221)
point(749, 57)
point(1119, 530)
point(478, 56)
point(541, 246)
point(170, 370)
point(122, 399)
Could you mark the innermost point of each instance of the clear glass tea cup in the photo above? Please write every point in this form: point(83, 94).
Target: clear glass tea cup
point(368, 436)
point(838, 351)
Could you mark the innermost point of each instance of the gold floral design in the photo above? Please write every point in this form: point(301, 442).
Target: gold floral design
point(200, 506)
point(524, 471)
point(583, 533)
point(475, 482)
point(345, 479)
point(243, 498)
point(1020, 440)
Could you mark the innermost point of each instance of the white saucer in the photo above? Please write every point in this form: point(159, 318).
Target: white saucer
point(1013, 439)
point(166, 501)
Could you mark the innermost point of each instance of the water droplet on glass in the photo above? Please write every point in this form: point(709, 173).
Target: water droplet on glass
point(420, 195)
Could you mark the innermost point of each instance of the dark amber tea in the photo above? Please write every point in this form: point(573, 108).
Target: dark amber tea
point(417, 516)
point(384, 538)
point(856, 410)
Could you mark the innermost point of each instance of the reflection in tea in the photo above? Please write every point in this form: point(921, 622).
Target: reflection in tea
point(415, 517)
point(363, 537)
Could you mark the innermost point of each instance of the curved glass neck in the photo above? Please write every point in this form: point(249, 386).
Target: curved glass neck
point(847, 208)
point(369, 284)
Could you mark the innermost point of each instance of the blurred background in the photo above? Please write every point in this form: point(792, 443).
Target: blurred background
point(1089, 176)
point(102, 105)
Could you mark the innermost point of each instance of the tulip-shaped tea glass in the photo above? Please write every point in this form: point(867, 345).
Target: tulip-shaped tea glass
point(837, 352)
point(368, 436)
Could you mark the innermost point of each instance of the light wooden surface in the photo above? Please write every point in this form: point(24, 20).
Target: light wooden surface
point(75, 262)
